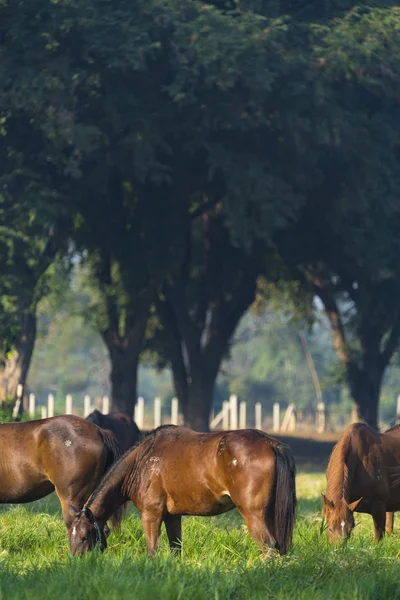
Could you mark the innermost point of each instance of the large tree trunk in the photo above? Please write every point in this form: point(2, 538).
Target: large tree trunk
point(124, 352)
point(123, 377)
point(200, 309)
point(365, 386)
point(364, 367)
point(15, 366)
point(200, 400)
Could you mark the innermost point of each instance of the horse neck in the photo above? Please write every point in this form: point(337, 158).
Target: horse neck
point(338, 473)
point(109, 495)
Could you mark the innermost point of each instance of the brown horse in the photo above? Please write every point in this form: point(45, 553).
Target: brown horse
point(66, 454)
point(390, 515)
point(123, 427)
point(176, 471)
point(364, 475)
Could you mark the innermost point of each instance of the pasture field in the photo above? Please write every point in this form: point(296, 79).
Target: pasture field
point(219, 560)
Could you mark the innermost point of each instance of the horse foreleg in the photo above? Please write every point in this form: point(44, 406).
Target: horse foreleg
point(68, 513)
point(378, 512)
point(389, 522)
point(173, 525)
point(151, 522)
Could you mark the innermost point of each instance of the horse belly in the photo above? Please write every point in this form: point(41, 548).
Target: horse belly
point(23, 490)
point(201, 505)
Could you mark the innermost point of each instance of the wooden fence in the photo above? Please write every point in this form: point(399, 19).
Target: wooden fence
point(233, 415)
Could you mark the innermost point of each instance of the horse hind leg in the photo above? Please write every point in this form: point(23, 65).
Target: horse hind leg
point(173, 526)
point(378, 512)
point(258, 528)
point(389, 522)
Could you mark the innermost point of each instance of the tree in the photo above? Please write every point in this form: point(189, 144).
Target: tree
point(118, 158)
point(345, 246)
point(28, 246)
point(199, 310)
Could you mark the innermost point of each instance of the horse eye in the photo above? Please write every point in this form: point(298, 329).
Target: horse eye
point(330, 529)
point(84, 539)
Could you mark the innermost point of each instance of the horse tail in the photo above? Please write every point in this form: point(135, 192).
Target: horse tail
point(114, 452)
point(285, 497)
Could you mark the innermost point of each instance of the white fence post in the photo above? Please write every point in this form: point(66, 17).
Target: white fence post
point(106, 405)
point(18, 402)
point(43, 412)
point(174, 411)
point(398, 409)
point(242, 415)
point(225, 415)
point(287, 422)
point(68, 404)
point(276, 418)
point(157, 412)
point(234, 411)
point(354, 414)
point(87, 406)
point(32, 404)
point(258, 415)
point(50, 405)
point(139, 412)
point(320, 417)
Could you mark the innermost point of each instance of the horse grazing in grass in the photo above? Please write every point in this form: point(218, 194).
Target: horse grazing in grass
point(176, 471)
point(390, 515)
point(66, 454)
point(363, 475)
point(123, 427)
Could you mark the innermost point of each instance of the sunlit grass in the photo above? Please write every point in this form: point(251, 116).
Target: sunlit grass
point(219, 561)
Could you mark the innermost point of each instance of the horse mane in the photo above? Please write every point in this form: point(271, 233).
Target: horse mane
point(147, 442)
point(337, 473)
point(394, 428)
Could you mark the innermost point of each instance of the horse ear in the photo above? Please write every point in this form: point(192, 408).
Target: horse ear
point(88, 513)
point(327, 503)
point(354, 505)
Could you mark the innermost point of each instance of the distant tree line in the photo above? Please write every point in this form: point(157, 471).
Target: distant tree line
point(196, 155)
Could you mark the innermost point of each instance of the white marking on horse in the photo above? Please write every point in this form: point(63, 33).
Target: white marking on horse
point(68, 443)
point(342, 525)
point(234, 462)
point(155, 466)
point(74, 531)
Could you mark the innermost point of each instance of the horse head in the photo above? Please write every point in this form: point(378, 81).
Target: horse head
point(85, 532)
point(339, 518)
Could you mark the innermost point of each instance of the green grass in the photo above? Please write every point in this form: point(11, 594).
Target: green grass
point(219, 560)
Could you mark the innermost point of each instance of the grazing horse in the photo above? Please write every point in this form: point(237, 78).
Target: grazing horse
point(364, 475)
point(123, 427)
point(66, 454)
point(390, 515)
point(176, 471)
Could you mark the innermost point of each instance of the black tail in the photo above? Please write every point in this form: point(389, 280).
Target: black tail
point(285, 497)
point(114, 452)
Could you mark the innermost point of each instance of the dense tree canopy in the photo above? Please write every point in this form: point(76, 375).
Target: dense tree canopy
point(265, 133)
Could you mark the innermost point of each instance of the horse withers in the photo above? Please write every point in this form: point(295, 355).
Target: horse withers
point(66, 454)
point(363, 475)
point(122, 425)
point(176, 471)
